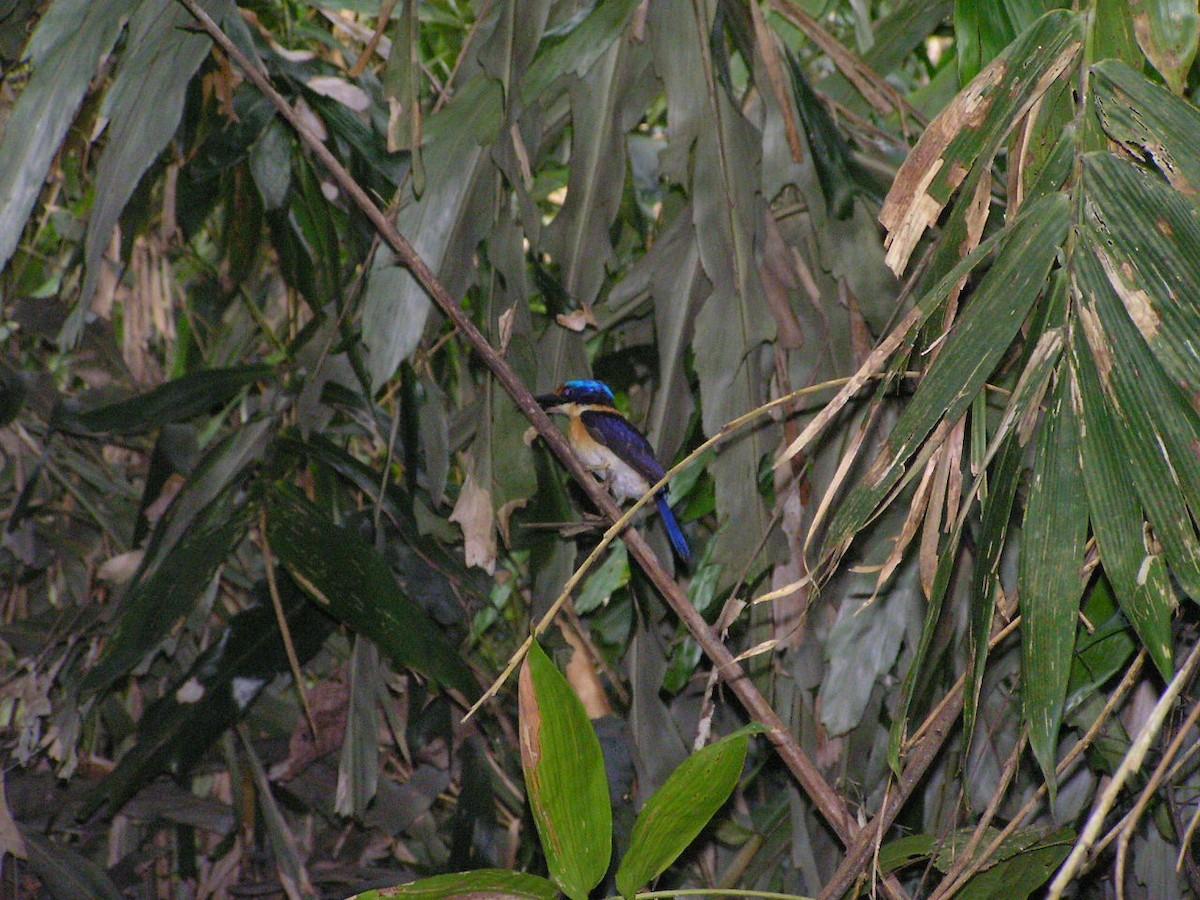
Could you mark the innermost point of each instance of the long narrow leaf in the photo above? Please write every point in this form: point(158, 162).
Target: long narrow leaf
point(1050, 577)
point(1142, 587)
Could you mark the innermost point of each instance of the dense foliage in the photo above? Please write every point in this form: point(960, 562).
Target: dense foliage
point(907, 289)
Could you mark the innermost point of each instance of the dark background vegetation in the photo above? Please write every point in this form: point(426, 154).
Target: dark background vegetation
point(241, 441)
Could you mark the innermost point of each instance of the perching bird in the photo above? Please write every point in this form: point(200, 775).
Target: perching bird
point(608, 444)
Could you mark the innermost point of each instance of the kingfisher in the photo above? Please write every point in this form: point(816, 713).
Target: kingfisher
point(612, 448)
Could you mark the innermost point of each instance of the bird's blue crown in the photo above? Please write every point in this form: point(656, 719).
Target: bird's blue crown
point(585, 390)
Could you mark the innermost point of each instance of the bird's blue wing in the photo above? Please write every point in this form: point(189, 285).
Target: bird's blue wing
point(615, 432)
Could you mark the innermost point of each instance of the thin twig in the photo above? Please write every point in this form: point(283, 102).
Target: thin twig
point(1130, 764)
point(1061, 771)
point(284, 631)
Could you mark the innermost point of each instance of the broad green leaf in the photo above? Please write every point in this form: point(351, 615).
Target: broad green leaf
point(344, 573)
point(862, 647)
point(176, 401)
point(1112, 34)
point(71, 41)
point(1051, 575)
point(214, 694)
point(679, 810)
point(1151, 121)
point(579, 238)
point(64, 872)
point(484, 884)
point(575, 47)
point(564, 775)
point(980, 337)
point(1023, 858)
point(1142, 586)
point(1167, 31)
point(271, 164)
point(143, 108)
point(1020, 873)
point(609, 577)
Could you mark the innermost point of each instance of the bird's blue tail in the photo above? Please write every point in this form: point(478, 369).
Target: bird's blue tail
point(678, 541)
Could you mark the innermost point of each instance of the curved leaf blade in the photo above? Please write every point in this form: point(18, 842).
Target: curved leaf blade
point(565, 777)
point(679, 810)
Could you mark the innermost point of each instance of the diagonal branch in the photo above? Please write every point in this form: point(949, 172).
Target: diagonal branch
point(831, 804)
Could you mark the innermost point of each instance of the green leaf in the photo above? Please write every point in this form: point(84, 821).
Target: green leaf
point(1050, 575)
point(71, 41)
point(64, 872)
point(679, 810)
point(1167, 31)
point(579, 237)
point(1150, 121)
point(565, 778)
point(575, 47)
point(482, 883)
point(609, 577)
point(733, 322)
point(1142, 585)
point(1102, 651)
point(441, 224)
point(1146, 237)
point(1022, 871)
point(344, 573)
point(176, 401)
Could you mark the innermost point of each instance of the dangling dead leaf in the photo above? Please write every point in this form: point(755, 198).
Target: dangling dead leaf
point(581, 674)
point(474, 513)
